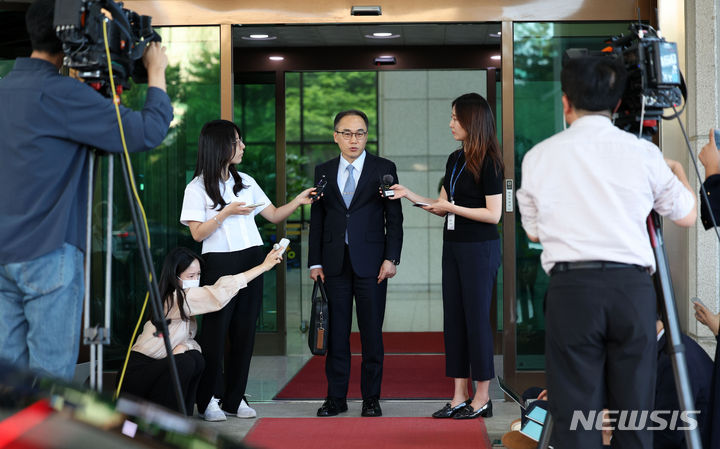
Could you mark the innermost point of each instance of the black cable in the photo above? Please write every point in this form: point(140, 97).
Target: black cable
point(151, 280)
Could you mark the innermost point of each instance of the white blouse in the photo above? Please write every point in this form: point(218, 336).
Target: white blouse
point(237, 232)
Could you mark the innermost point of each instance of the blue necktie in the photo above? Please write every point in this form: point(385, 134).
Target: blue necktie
point(349, 189)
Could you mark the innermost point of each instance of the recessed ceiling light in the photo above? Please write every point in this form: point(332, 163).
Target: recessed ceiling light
point(496, 57)
point(259, 37)
point(382, 36)
point(276, 58)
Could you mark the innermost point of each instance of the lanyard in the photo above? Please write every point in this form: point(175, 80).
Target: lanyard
point(452, 184)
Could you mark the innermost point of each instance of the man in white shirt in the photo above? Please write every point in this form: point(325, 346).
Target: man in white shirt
point(586, 193)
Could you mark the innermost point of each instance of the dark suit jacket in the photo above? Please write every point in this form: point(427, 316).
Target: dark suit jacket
point(712, 186)
point(700, 370)
point(374, 224)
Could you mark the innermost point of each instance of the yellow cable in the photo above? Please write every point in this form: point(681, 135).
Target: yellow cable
point(116, 102)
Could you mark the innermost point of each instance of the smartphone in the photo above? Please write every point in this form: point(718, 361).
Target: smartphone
point(532, 430)
point(419, 204)
point(283, 243)
point(697, 300)
point(253, 206)
point(537, 414)
point(717, 138)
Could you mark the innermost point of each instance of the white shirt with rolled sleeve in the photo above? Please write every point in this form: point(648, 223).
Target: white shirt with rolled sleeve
point(587, 191)
point(237, 232)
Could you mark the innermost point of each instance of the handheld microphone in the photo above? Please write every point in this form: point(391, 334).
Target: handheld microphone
point(319, 188)
point(387, 181)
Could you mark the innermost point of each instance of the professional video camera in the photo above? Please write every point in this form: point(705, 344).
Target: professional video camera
point(79, 25)
point(654, 79)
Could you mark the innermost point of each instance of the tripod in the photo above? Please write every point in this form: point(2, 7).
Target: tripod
point(96, 336)
point(675, 348)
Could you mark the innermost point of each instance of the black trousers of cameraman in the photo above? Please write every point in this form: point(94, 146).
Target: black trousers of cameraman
point(226, 377)
point(600, 345)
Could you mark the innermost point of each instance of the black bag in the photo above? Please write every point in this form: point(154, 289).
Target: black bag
point(319, 323)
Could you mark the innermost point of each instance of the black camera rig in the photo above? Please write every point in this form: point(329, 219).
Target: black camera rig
point(79, 25)
point(654, 81)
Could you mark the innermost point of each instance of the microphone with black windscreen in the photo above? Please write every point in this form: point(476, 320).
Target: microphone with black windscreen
point(387, 181)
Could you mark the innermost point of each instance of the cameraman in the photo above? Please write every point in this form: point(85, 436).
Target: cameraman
point(586, 193)
point(48, 123)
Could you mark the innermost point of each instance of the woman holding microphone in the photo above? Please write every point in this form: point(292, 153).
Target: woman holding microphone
point(471, 202)
point(219, 207)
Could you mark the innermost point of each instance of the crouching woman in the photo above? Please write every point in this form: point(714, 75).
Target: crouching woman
point(148, 374)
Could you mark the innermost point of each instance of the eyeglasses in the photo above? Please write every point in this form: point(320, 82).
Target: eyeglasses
point(347, 135)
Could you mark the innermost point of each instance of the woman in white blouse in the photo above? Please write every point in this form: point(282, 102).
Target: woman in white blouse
point(147, 374)
point(220, 205)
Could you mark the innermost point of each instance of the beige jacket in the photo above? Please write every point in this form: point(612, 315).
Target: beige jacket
point(198, 300)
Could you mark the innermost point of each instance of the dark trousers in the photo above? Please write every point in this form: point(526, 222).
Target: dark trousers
point(237, 320)
point(370, 310)
point(469, 270)
point(600, 345)
point(150, 379)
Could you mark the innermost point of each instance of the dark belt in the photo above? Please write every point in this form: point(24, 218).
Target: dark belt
point(592, 265)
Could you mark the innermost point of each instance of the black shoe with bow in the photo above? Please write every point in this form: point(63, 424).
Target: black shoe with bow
point(448, 411)
point(332, 406)
point(371, 407)
point(468, 412)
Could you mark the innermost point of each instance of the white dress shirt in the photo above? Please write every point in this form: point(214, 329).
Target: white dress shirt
point(587, 191)
point(237, 232)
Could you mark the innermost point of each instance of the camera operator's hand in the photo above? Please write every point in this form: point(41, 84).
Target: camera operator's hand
point(710, 157)
point(155, 61)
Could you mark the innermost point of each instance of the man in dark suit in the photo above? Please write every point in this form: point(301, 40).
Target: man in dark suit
point(355, 242)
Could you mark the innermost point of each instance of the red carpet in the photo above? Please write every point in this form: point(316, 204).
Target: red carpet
point(405, 343)
point(404, 377)
point(364, 433)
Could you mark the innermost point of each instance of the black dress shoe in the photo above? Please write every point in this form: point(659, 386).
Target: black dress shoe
point(448, 411)
point(371, 407)
point(332, 407)
point(467, 412)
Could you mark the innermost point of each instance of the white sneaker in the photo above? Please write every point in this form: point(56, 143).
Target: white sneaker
point(245, 411)
point(213, 411)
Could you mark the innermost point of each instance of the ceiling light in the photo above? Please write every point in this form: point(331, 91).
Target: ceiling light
point(496, 57)
point(385, 60)
point(365, 11)
point(259, 37)
point(276, 58)
point(382, 36)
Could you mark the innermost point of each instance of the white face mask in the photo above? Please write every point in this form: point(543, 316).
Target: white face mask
point(190, 283)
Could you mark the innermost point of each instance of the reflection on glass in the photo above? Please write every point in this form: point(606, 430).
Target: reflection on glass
point(538, 51)
point(193, 84)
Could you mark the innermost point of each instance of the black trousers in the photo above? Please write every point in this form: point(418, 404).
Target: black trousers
point(237, 320)
point(469, 270)
point(150, 379)
point(600, 345)
point(370, 310)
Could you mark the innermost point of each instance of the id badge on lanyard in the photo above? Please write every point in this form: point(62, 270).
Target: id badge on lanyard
point(453, 182)
point(451, 219)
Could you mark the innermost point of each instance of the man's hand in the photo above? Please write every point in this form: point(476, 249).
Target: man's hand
point(317, 272)
point(387, 270)
point(155, 61)
point(710, 157)
point(707, 318)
